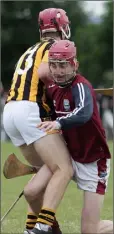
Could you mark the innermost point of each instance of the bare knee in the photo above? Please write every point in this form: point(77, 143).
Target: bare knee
point(32, 193)
point(56, 157)
point(29, 193)
point(66, 171)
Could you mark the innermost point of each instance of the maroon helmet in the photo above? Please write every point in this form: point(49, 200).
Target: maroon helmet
point(54, 20)
point(62, 62)
point(63, 50)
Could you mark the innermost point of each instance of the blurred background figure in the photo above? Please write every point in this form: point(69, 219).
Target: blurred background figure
point(105, 106)
point(91, 30)
point(107, 117)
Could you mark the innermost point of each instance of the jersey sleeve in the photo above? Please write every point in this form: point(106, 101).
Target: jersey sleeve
point(83, 111)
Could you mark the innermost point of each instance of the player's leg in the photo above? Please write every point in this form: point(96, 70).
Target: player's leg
point(60, 165)
point(35, 198)
point(53, 166)
point(32, 219)
point(32, 216)
point(30, 154)
point(42, 177)
point(51, 148)
point(34, 190)
point(52, 151)
point(92, 178)
point(91, 212)
point(34, 209)
point(100, 171)
point(90, 221)
point(56, 156)
point(11, 127)
point(27, 151)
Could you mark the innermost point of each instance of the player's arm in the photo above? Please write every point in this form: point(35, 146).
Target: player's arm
point(83, 108)
point(49, 102)
point(80, 115)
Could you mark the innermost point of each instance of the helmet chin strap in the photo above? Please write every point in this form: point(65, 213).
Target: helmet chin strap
point(66, 83)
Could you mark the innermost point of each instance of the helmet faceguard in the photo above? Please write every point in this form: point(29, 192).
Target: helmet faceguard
point(62, 62)
point(54, 20)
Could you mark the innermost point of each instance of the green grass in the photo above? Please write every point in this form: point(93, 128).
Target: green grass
point(68, 213)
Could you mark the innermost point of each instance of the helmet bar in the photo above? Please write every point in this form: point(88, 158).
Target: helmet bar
point(69, 32)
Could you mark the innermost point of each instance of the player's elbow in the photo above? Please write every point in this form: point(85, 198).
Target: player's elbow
point(87, 116)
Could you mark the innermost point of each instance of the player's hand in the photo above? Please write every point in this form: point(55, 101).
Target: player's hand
point(49, 125)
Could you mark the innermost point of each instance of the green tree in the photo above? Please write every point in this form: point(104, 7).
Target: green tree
point(93, 41)
point(86, 41)
point(105, 43)
point(19, 32)
point(20, 28)
point(94, 49)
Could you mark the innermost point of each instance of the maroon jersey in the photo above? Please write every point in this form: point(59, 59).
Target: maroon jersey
point(77, 112)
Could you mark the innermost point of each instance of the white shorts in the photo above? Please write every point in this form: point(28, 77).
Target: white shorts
point(20, 119)
point(93, 176)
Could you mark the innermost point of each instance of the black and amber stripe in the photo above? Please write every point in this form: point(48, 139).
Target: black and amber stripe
point(18, 82)
point(46, 216)
point(31, 221)
point(51, 41)
point(28, 86)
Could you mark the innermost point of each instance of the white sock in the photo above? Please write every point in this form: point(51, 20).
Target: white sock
point(41, 226)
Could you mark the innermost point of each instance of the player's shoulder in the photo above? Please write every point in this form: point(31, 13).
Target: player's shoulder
point(31, 48)
point(80, 79)
point(45, 44)
point(49, 41)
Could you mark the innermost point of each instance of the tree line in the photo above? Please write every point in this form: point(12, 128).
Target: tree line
point(94, 41)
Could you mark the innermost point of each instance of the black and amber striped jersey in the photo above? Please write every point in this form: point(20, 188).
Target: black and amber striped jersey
point(25, 83)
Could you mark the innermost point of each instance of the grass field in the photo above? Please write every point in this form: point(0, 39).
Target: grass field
point(68, 213)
